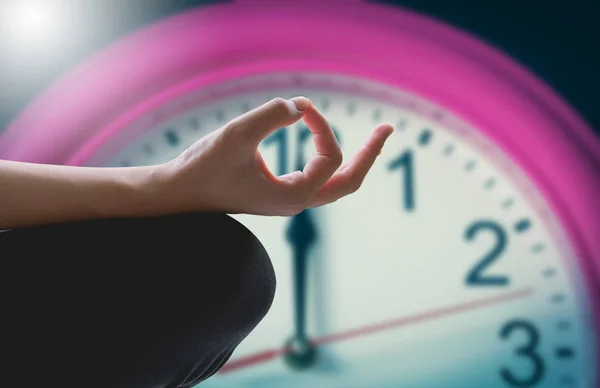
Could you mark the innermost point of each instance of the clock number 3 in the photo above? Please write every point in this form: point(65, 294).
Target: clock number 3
point(475, 277)
point(529, 351)
point(281, 140)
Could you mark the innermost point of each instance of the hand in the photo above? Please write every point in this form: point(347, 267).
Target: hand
point(224, 171)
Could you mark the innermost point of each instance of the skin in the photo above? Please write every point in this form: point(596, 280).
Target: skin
point(223, 171)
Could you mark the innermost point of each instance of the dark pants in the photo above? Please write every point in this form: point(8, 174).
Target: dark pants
point(144, 302)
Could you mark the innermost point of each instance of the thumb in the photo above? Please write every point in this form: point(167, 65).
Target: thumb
point(259, 123)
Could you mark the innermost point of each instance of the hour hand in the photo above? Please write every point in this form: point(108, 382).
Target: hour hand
point(301, 234)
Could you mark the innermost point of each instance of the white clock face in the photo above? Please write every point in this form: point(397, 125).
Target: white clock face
point(445, 269)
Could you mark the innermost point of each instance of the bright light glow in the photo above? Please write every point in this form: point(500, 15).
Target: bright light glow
point(35, 33)
point(32, 17)
point(32, 24)
point(30, 20)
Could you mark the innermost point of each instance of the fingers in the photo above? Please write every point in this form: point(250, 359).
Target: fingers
point(259, 123)
point(349, 178)
point(329, 155)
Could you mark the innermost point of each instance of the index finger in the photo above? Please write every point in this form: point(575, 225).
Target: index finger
point(329, 154)
point(257, 124)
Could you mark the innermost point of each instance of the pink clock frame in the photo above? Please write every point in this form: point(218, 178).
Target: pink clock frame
point(216, 43)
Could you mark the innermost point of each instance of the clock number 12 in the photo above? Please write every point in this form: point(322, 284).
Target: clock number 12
point(281, 140)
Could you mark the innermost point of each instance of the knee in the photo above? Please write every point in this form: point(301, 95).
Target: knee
point(241, 275)
point(249, 278)
point(219, 284)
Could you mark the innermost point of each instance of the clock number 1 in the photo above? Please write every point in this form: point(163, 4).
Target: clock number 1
point(475, 277)
point(405, 163)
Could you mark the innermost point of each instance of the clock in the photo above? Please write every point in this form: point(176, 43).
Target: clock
point(470, 256)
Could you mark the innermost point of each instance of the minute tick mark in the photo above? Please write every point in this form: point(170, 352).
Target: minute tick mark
point(148, 149)
point(172, 138)
point(488, 184)
point(425, 137)
point(522, 225)
point(401, 125)
point(194, 123)
point(508, 203)
point(548, 272)
point(470, 165)
point(377, 115)
point(564, 352)
point(537, 248)
point(351, 108)
point(448, 150)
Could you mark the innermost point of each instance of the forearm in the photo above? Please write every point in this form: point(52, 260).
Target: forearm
point(33, 194)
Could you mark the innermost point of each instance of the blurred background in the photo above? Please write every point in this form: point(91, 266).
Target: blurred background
point(42, 40)
point(558, 40)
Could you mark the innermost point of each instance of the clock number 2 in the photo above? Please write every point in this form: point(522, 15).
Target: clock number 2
point(529, 351)
point(405, 162)
point(475, 277)
point(281, 140)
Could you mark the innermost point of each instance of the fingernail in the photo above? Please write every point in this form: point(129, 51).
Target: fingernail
point(301, 103)
point(390, 130)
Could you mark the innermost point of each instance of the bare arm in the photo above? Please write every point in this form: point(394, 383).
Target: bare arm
point(223, 172)
point(32, 194)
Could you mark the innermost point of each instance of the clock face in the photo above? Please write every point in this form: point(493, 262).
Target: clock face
point(446, 268)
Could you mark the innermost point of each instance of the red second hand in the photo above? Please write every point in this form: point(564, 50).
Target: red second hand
point(271, 354)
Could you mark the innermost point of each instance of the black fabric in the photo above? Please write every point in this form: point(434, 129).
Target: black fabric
point(135, 303)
